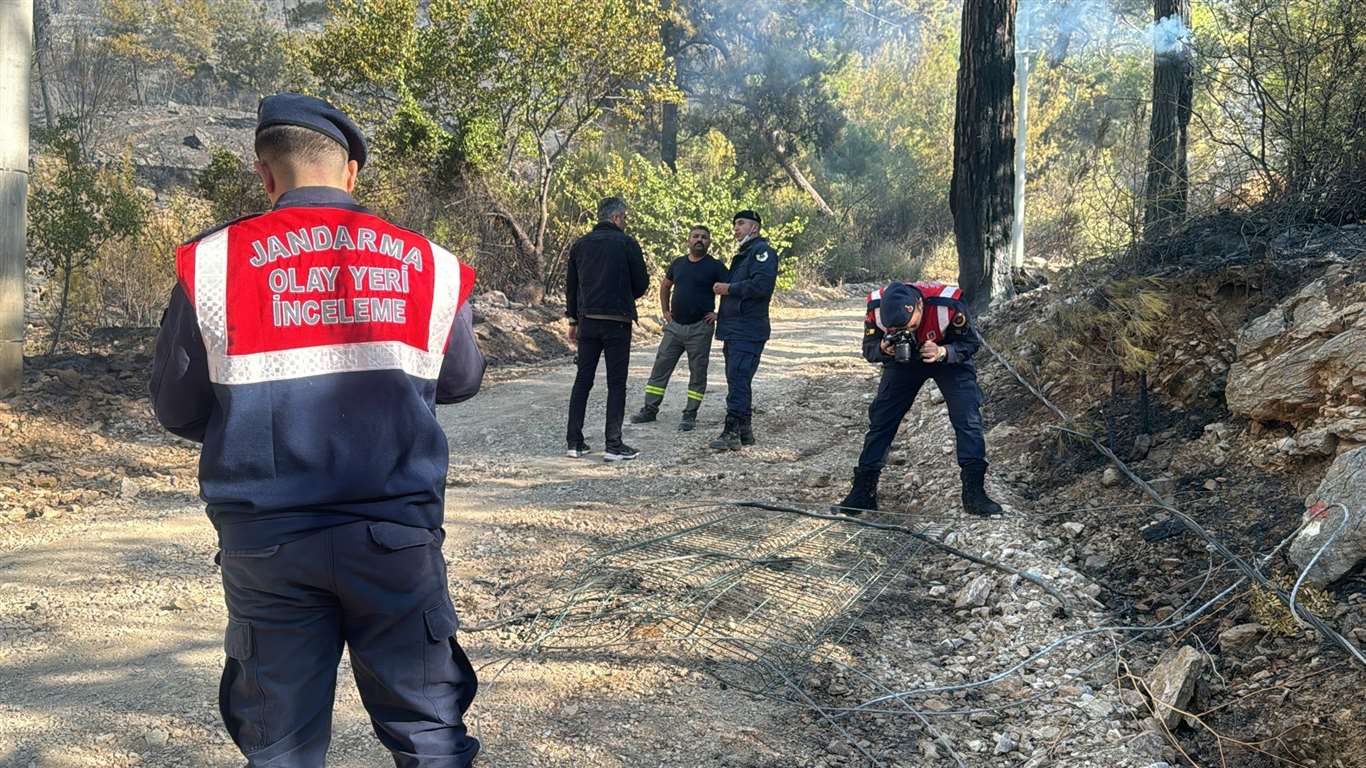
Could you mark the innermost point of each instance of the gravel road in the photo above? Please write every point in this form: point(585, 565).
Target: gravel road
point(111, 618)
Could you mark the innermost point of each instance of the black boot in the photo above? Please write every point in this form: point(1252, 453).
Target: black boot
point(646, 415)
point(862, 497)
point(729, 439)
point(747, 430)
point(975, 498)
point(689, 421)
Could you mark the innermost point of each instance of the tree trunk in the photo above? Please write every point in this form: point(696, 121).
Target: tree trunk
point(794, 172)
point(1164, 204)
point(981, 191)
point(41, 48)
point(668, 135)
point(61, 310)
point(668, 121)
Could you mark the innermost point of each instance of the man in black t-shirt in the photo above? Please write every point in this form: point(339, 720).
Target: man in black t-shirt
point(689, 308)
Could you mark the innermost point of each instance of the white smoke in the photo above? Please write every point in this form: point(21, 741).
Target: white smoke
point(1061, 28)
point(1169, 36)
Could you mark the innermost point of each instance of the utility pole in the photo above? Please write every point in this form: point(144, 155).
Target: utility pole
point(16, 52)
point(1023, 60)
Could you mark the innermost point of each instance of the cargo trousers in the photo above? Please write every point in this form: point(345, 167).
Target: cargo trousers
point(695, 340)
point(378, 588)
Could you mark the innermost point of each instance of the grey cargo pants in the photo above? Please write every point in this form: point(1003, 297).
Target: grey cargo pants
point(695, 339)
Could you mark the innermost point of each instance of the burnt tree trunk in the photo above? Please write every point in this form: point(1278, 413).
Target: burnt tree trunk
point(981, 192)
point(1164, 204)
point(668, 122)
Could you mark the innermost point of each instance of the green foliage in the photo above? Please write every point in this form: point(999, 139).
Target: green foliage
point(75, 209)
point(133, 276)
point(231, 187)
point(494, 93)
point(249, 50)
point(707, 189)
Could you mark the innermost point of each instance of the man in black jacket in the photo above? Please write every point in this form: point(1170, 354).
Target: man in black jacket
point(606, 275)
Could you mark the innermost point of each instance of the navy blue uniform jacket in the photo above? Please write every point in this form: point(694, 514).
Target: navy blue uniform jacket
point(743, 315)
point(306, 348)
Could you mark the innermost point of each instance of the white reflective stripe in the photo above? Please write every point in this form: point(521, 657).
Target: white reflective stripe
point(877, 318)
point(445, 297)
point(211, 295)
point(875, 295)
point(948, 291)
point(943, 320)
point(317, 361)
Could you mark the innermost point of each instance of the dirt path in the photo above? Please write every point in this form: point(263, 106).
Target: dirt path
point(110, 620)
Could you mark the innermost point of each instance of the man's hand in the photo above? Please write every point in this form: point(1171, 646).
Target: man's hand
point(932, 353)
point(721, 289)
point(574, 334)
point(710, 317)
point(886, 347)
point(668, 316)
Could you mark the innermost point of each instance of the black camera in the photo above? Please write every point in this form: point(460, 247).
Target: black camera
point(905, 346)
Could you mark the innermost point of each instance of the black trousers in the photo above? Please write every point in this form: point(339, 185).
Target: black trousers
point(600, 338)
point(378, 588)
point(896, 393)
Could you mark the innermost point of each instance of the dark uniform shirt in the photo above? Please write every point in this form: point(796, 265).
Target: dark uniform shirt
point(744, 310)
point(693, 296)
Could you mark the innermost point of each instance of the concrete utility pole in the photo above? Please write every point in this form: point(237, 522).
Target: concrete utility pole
point(1022, 64)
point(16, 52)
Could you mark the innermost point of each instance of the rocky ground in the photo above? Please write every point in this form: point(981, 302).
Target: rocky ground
point(111, 613)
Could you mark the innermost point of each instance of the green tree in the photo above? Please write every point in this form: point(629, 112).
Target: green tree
point(74, 210)
point(231, 187)
point(494, 93)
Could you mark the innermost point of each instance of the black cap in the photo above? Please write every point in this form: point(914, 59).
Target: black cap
point(315, 114)
point(747, 214)
point(898, 303)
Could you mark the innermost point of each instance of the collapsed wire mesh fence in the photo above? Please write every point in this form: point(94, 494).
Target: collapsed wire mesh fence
point(750, 592)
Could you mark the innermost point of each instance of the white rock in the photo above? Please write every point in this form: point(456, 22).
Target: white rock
point(1345, 483)
point(1004, 744)
point(975, 594)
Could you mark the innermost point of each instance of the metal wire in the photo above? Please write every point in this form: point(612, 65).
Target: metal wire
point(1186, 521)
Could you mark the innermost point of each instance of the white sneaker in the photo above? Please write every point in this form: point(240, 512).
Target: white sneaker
point(578, 451)
point(621, 452)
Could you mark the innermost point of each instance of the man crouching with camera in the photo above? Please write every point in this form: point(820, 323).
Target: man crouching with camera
point(921, 331)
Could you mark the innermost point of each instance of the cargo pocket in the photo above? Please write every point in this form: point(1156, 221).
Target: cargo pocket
point(393, 537)
point(450, 681)
point(240, 697)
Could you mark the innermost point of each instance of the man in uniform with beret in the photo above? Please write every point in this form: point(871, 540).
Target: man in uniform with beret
point(742, 325)
point(306, 348)
point(929, 322)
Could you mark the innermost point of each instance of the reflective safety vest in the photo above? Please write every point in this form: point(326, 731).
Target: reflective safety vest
point(942, 312)
point(301, 292)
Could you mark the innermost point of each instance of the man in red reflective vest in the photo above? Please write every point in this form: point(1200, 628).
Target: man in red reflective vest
point(306, 348)
point(918, 332)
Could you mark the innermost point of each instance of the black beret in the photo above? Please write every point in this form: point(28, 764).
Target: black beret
point(747, 214)
point(895, 300)
point(314, 114)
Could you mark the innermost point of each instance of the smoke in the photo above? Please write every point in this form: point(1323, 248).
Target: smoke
point(1064, 28)
point(1169, 37)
